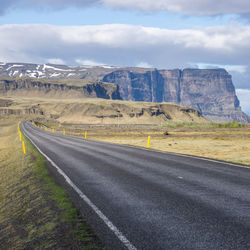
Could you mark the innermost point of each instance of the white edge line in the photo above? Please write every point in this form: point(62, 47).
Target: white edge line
point(188, 156)
point(221, 162)
point(110, 225)
point(175, 154)
point(172, 153)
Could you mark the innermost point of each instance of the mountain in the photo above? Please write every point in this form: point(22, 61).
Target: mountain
point(210, 91)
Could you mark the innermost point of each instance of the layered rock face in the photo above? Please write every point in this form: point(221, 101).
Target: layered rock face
point(148, 86)
point(210, 91)
point(45, 88)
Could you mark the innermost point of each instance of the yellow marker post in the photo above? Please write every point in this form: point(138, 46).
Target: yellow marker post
point(64, 132)
point(53, 131)
point(24, 151)
point(86, 134)
point(148, 142)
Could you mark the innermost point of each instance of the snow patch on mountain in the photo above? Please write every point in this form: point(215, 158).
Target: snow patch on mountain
point(13, 66)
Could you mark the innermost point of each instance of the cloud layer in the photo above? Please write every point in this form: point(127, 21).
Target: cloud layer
point(45, 4)
point(189, 7)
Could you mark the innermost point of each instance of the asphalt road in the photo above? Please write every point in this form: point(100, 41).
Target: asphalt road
point(142, 199)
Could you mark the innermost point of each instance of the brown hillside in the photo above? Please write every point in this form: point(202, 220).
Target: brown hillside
point(100, 111)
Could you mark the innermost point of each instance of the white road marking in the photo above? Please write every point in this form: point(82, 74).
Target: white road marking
point(188, 156)
point(171, 153)
point(227, 163)
point(110, 225)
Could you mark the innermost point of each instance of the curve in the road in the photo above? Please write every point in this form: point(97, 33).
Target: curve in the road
point(155, 200)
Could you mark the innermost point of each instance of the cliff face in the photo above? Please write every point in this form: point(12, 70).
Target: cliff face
point(45, 88)
point(210, 91)
point(135, 86)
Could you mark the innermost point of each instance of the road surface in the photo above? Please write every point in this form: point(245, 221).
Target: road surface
point(142, 199)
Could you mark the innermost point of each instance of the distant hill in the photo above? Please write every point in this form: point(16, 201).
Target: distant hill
point(99, 111)
point(210, 91)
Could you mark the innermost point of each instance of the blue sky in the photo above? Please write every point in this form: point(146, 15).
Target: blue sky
point(98, 16)
point(159, 33)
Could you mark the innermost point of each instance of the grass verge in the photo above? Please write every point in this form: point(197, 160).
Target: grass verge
point(35, 213)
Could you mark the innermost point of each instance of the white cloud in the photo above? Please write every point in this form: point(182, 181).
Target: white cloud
point(224, 38)
point(231, 68)
point(87, 62)
point(236, 68)
point(189, 7)
point(144, 65)
point(117, 44)
point(244, 97)
point(56, 61)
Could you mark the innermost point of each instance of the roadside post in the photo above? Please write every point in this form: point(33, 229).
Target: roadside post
point(20, 135)
point(148, 145)
point(24, 150)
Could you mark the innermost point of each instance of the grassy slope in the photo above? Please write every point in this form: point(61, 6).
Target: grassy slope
point(35, 213)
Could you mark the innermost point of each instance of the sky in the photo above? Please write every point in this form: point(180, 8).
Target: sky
point(165, 34)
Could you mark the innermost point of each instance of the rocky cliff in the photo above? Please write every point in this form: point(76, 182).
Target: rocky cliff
point(58, 89)
point(210, 91)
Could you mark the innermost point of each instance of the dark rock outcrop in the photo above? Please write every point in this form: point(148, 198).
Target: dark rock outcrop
point(148, 86)
point(24, 111)
point(45, 88)
point(210, 91)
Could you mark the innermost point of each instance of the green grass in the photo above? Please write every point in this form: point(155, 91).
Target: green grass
point(35, 212)
point(78, 228)
point(210, 125)
point(233, 124)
